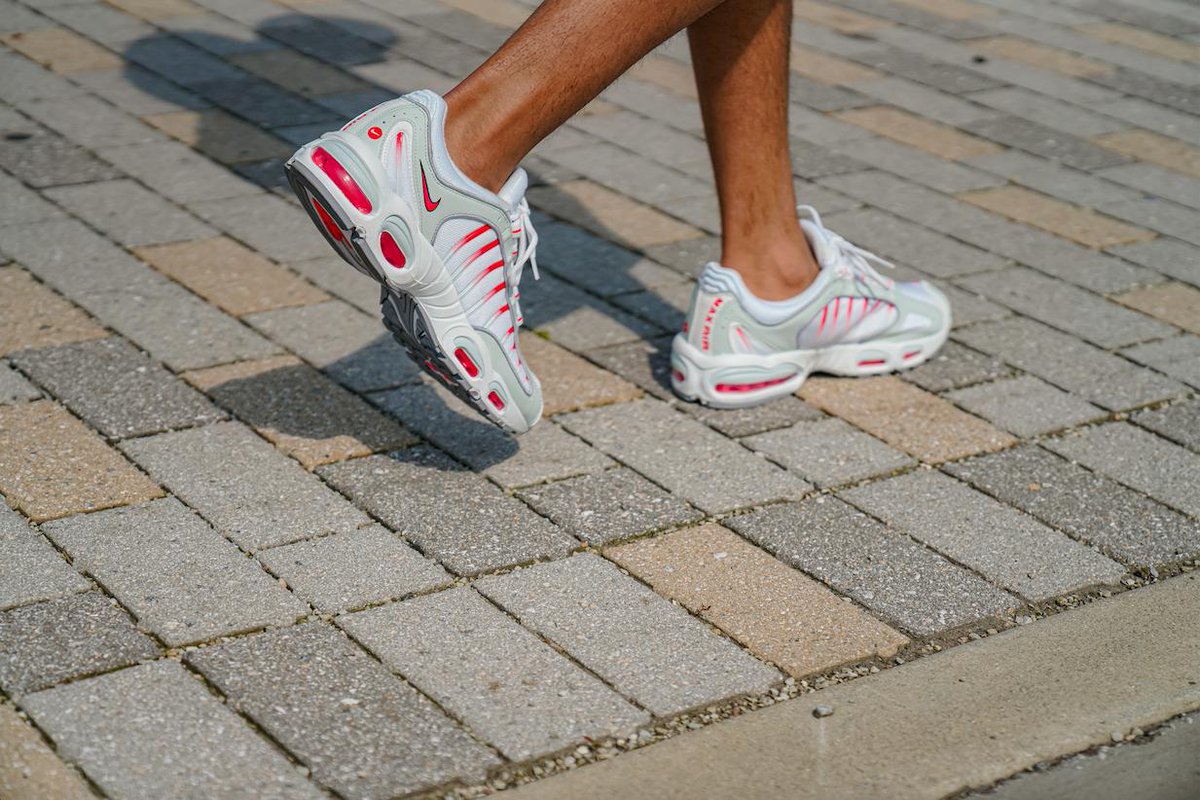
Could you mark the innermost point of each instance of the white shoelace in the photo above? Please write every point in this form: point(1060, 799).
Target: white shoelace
point(527, 240)
point(856, 262)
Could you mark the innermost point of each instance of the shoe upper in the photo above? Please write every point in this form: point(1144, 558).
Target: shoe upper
point(849, 302)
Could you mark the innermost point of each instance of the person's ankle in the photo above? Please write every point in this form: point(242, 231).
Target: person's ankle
point(779, 270)
point(467, 142)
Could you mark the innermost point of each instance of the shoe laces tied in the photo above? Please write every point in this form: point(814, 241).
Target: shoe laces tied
point(527, 240)
point(856, 263)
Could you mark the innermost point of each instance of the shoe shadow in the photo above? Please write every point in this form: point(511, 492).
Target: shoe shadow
point(256, 92)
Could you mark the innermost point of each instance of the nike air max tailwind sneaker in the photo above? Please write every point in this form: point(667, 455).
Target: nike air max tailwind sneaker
point(448, 253)
point(737, 350)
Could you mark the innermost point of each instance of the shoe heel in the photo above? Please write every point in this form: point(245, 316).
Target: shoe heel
point(734, 381)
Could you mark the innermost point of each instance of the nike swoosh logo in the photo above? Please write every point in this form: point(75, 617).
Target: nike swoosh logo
point(430, 205)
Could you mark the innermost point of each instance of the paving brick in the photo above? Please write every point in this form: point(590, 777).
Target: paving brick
point(666, 307)
point(829, 452)
point(1066, 307)
point(911, 202)
point(156, 731)
point(920, 424)
point(274, 227)
point(14, 388)
point(1044, 141)
point(30, 569)
point(244, 487)
point(1050, 178)
point(61, 50)
point(630, 175)
point(1078, 224)
point(1157, 214)
point(128, 213)
point(51, 465)
point(299, 73)
point(1155, 180)
point(884, 570)
point(644, 646)
point(182, 581)
point(449, 513)
point(220, 135)
point(1016, 48)
point(1046, 113)
point(839, 19)
point(160, 316)
point(1179, 422)
point(1178, 96)
point(779, 413)
point(177, 172)
point(1154, 43)
point(101, 23)
point(510, 687)
point(826, 68)
point(1173, 259)
point(925, 69)
point(779, 613)
point(354, 569)
point(597, 265)
point(568, 381)
point(1090, 507)
point(700, 465)
point(918, 166)
point(231, 276)
point(55, 641)
point(116, 389)
point(919, 99)
point(666, 72)
point(19, 204)
point(362, 731)
point(1142, 17)
point(917, 132)
point(137, 91)
point(29, 769)
point(91, 122)
point(157, 9)
point(931, 253)
point(1026, 406)
point(349, 346)
point(1099, 377)
point(28, 81)
point(1175, 303)
point(576, 320)
point(616, 504)
point(956, 366)
point(610, 215)
point(1155, 148)
point(302, 412)
point(33, 316)
point(1138, 459)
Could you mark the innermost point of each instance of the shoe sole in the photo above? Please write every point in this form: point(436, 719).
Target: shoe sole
point(376, 232)
point(739, 381)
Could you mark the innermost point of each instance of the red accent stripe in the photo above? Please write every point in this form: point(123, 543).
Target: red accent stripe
point(470, 236)
point(328, 222)
point(872, 362)
point(496, 316)
point(677, 375)
point(495, 400)
point(464, 358)
point(391, 251)
point(483, 275)
point(750, 387)
point(912, 354)
point(496, 290)
point(341, 178)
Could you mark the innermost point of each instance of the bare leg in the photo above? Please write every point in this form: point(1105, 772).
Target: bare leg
point(740, 57)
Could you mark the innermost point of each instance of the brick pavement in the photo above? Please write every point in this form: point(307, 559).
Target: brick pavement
point(208, 443)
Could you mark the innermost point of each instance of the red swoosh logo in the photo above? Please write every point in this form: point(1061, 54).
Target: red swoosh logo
point(430, 205)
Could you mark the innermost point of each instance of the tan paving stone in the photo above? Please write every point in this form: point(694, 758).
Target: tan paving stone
point(304, 413)
point(1176, 303)
point(1155, 148)
point(300, 73)
point(568, 381)
point(1080, 225)
point(951, 9)
point(231, 276)
point(911, 419)
point(611, 215)
point(919, 132)
point(220, 135)
point(33, 316)
point(52, 465)
point(777, 612)
point(157, 9)
point(1014, 48)
point(1154, 43)
point(504, 13)
point(827, 69)
point(839, 19)
point(672, 75)
point(29, 770)
point(62, 50)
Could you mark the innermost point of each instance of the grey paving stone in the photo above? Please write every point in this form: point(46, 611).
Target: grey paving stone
point(882, 569)
point(41, 158)
point(829, 452)
point(1138, 459)
point(1102, 378)
point(448, 512)
point(1179, 422)
point(1025, 405)
point(160, 316)
point(274, 227)
point(14, 388)
point(911, 202)
point(628, 173)
point(1010, 548)
point(640, 643)
point(684, 456)
point(347, 345)
point(102, 23)
point(1141, 17)
point(652, 139)
point(1045, 111)
point(811, 161)
point(177, 172)
point(597, 265)
point(895, 238)
point(1046, 142)
point(330, 273)
point(956, 366)
point(54, 641)
point(91, 122)
point(926, 70)
point(183, 581)
point(156, 731)
point(247, 489)
point(576, 320)
point(1155, 180)
point(19, 204)
point(1090, 507)
point(770, 416)
point(613, 505)
point(25, 80)
point(261, 102)
point(921, 100)
point(138, 91)
point(1167, 93)
point(353, 569)
point(118, 390)
point(361, 731)
point(30, 569)
point(1174, 259)
point(1158, 215)
point(514, 691)
point(545, 453)
point(666, 306)
point(1067, 307)
point(1150, 116)
point(128, 213)
point(1053, 179)
point(918, 166)
point(689, 255)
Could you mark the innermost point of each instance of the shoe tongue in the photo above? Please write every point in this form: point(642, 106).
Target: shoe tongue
point(822, 248)
point(514, 188)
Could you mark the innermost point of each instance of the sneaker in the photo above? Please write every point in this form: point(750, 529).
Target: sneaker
point(737, 350)
point(447, 253)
